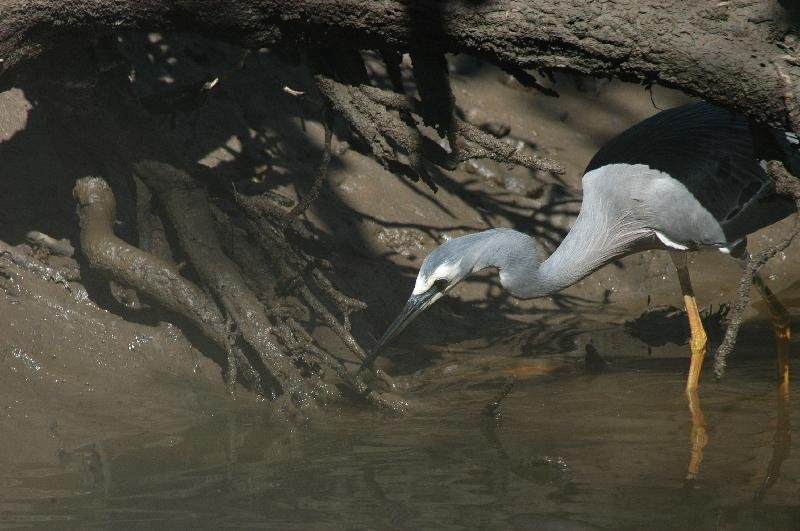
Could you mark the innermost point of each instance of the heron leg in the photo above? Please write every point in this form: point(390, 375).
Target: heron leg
point(698, 436)
point(697, 345)
point(781, 324)
point(781, 442)
point(698, 339)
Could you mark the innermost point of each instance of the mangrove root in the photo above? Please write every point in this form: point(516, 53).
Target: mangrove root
point(149, 275)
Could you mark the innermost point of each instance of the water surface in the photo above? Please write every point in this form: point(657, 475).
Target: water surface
point(570, 450)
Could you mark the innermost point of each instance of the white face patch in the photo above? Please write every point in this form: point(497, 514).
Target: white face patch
point(447, 271)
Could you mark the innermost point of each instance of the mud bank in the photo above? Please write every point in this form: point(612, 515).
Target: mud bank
point(90, 382)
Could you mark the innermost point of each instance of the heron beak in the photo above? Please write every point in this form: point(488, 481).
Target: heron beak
point(416, 305)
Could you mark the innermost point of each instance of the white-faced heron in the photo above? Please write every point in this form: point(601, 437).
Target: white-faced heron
point(687, 178)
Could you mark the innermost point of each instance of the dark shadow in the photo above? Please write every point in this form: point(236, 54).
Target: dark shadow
point(247, 133)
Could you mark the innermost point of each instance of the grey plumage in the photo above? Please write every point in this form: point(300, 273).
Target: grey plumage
point(686, 178)
point(716, 154)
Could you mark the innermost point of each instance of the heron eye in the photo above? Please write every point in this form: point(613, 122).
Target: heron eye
point(440, 284)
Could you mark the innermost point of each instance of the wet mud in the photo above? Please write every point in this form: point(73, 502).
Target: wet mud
point(113, 414)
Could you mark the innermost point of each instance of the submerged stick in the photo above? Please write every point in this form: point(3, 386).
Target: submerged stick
point(492, 409)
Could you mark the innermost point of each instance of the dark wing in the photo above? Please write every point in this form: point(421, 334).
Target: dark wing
point(711, 151)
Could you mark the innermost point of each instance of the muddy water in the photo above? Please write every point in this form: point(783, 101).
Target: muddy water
point(571, 450)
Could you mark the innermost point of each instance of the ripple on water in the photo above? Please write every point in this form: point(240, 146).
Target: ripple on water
point(570, 451)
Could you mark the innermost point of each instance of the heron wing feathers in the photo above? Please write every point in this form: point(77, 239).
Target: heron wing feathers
point(651, 200)
point(711, 153)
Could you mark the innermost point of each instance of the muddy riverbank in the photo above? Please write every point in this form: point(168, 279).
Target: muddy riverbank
point(114, 414)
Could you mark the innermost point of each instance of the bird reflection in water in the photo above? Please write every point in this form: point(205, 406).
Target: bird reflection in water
point(782, 438)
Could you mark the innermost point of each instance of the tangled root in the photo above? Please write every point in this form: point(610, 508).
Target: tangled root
point(157, 279)
point(234, 319)
point(386, 121)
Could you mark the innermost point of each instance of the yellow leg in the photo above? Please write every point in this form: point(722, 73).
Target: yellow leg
point(698, 339)
point(698, 437)
point(781, 323)
point(697, 345)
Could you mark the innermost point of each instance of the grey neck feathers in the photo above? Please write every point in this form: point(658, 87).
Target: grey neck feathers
point(594, 241)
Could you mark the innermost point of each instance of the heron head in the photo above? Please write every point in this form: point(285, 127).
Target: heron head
point(441, 270)
point(511, 252)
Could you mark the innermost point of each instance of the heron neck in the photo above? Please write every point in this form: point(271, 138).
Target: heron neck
point(594, 241)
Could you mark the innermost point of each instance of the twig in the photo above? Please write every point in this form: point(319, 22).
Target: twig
point(230, 353)
point(322, 171)
point(61, 247)
point(492, 409)
point(292, 92)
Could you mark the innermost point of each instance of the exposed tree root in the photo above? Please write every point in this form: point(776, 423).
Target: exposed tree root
point(271, 333)
point(151, 276)
point(393, 59)
point(436, 96)
point(484, 145)
point(368, 111)
point(152, 233)
point(186, 204)
point(785, 184)
point(380, 130)
point(298, 273)
point(250, 313)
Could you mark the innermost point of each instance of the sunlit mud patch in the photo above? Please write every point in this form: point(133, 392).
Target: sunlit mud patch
point(404, 242)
